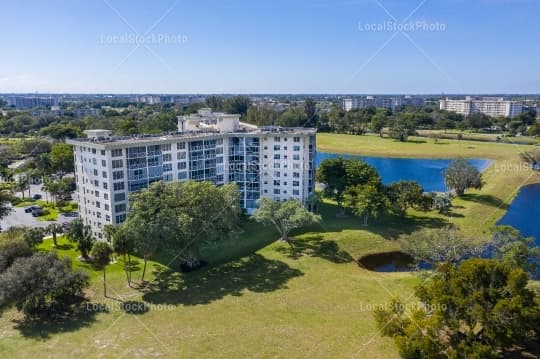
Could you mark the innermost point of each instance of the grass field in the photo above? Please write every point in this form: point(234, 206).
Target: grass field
point(257, 299)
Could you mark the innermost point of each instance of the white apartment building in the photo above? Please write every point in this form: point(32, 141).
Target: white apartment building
point(271, 162)
point(390, 103)
point(491, 106)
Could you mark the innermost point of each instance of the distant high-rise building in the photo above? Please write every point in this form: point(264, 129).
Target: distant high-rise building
point(29, 102)
point(491, 106)
point(390, 103)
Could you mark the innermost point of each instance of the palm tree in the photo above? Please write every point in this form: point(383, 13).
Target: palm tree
point(123, 245)
point(101, 253)
point(53, 229)
point(22, 184)
point(82, 235)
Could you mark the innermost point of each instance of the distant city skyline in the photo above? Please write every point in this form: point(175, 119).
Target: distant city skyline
point(364, 47)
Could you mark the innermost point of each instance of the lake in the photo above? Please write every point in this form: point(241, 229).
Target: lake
point(427, 172)
point(524, 212)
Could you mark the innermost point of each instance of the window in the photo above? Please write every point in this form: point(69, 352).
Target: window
point(103, 163)
point(105, 185)
point(93, 150)
point(95, 172)
point(120, 207)
point(181, 156)
point(296, 157)
point(276, 183)
point(120, 219)
point(98, 204)
point(119, 196)
point(104, 174)
point(296, 192)
point(96, 183)
point(166, 147)
point(116, 152)
point(96, 193)
point(118, 186)
point(106, 195)
point(167, 167)
point(117, 163)
point(181, 165)
point(118, 175)
point(276, 191)
point(182, 175)
point(107, 218)
point(296, 148)
point(296, 139)
point(296, 174)
point(94, 161)
point(181, 146)
point(296, 183)
point(296, 166)
point(167, 157)
point(276, 139)
point(277, 174)
point(276, 148)
point(103, 152)
point(277, 156)
point(106, 207)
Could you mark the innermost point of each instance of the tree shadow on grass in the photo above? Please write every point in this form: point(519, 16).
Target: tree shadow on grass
point(81, 315)
point(254, 273)
point(485, 199)
point(316, 246)
point(387, 226)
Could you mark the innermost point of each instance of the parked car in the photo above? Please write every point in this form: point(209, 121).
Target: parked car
point(37, 211)
point(36, 196)
point(28, 209)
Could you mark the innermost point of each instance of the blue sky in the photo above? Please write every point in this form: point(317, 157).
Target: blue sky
point(316, 46)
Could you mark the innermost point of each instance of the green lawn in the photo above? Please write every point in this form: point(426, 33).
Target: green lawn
point(256, 299)
point(52, 210)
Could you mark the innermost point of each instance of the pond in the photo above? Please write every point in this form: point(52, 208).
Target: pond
point(429, 173)
point(524, 212)
point(395, 261)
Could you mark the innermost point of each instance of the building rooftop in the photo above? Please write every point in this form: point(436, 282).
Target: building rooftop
point(206, 132)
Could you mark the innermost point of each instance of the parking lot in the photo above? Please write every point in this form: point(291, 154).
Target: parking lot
point(19, 218)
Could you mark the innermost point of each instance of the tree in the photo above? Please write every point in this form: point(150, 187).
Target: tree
point(285, 216)
point(404, 195)
point(123, 245)
point(442, 202)
point(180, 216)
point(214, 102)
point(366, 201)
point(81, 234)
point(310, 108)
point(237, 105)
point(62, 157)
point(101, 256)
point(22, 184)
point(338, 173)
point(109, 231)
point(11, 249)
point(509, 246)
point(461, 175)
point(475, 310)
point(436, 246)
point(532, 157)
point(5, 207)
point(33, 236)
point(54, 229)
point(41, 285)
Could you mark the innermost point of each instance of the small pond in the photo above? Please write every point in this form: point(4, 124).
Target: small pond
point(387, 262)
point(427, 172)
